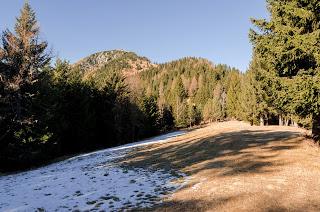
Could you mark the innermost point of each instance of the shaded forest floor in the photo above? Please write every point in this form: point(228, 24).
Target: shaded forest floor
point(233, 166)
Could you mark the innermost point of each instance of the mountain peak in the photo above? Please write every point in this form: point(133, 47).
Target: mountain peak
point(127, 62)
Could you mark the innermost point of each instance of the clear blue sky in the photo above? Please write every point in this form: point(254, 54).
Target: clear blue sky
point(161, 30)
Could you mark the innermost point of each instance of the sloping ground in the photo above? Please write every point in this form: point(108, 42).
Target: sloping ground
point(235, 167)
point(89, 182)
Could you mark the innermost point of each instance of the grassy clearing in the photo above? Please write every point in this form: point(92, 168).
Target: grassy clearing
point(235, 167)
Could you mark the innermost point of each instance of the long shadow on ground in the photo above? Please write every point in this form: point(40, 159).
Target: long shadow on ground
point(236, 152)
point(252, 170)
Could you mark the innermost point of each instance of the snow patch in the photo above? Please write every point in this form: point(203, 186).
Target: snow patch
point(87, 182)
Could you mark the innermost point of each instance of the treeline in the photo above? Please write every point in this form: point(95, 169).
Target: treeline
point(194, 90)
point(281, 86)
point(284, 73)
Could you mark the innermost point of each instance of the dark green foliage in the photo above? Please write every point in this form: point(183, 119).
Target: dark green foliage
point(151, 115)
point(179, 91)
point(166, 120)
point(288, 40)
point(194, 115)
point(256, 95)
point(233, 90)
point(287, 46)
point(87, 117)
point(48, 112)
point(22, 129)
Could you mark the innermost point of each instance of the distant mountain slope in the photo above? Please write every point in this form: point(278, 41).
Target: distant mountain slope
point(189, 85)
point(127, 62)
point(195, 74)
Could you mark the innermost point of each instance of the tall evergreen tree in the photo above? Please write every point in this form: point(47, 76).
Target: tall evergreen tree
point(151, 115)
point(213, 111)
point(289, 46)
point(179, 90)
point(166, 118)
point(232, 103)
point(22, 56)
point(193, 114)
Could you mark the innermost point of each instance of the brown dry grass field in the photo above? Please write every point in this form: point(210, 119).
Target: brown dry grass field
point(233, 166)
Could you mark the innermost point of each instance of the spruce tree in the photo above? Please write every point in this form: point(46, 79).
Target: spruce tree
point(22, 57)
point(232, 102)
point(212, 110)
point(193, 114)
point(150, 110)
point(179, 90)
point(257, 95)
point(181, 110)
point(289, 46)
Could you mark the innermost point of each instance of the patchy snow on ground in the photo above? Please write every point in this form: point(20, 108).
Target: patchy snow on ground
point(88, 182)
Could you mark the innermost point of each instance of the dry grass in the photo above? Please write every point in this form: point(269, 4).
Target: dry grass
point(236, 167)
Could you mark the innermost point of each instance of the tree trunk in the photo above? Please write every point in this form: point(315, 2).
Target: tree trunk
point(261, 121)
point(286, 122)
point(252, 120)
point(267, 121)
point(280, 120)
point(316, 126)
point(294, 124)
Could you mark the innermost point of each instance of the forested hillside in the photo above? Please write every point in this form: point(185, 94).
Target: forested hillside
point(194, 89)
point(187, 91)
point(115, 97)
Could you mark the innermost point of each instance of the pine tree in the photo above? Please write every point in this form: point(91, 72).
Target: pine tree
point(220, 96)
point(166, 119)
point(213, 110)
point(288, 44)
point(257, 94)
point(179, 90)
point(193, 114)
point(232, 102)
point(22, 56)
point(119, 96)
point(151, 113)
point(179, 95)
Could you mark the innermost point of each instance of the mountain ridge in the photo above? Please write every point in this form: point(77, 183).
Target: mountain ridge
point(129, 63)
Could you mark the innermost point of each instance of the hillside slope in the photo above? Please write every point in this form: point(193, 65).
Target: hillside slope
point(191, 89)
point(88, 182)
point(129, 63)
point(233, 166)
